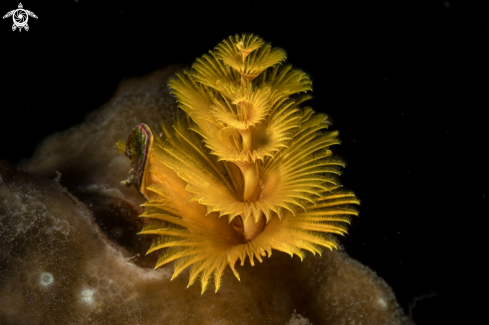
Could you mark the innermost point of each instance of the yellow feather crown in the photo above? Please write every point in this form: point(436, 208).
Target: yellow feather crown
point(246, 149)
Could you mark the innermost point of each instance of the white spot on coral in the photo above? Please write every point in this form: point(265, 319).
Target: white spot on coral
point(46, 278)
point(382, 303)
point(87, 295)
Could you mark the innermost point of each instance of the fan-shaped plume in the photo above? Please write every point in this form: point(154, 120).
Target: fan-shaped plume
point(245, 171)
point(239, 53)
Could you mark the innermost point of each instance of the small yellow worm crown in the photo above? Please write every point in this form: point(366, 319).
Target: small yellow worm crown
point(245, 171)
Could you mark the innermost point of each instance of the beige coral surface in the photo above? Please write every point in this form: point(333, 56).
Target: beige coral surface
point(69, 253)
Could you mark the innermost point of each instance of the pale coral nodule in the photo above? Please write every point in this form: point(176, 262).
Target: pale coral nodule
point(247, 149)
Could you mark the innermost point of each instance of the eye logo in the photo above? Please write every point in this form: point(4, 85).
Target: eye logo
point(20, 17)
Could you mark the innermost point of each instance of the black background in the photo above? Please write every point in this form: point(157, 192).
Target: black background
point(406, 84)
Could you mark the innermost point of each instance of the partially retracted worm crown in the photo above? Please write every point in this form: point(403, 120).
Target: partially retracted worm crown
point(247, 169)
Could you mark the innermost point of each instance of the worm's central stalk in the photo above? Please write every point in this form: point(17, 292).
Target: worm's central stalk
point(250, 227)
point(251, 181)
point(247, 139)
